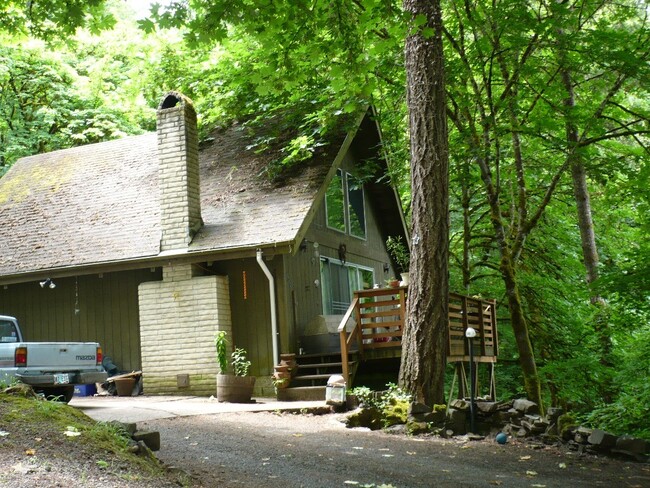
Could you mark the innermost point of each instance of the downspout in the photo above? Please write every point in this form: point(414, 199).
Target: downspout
point(274, 321)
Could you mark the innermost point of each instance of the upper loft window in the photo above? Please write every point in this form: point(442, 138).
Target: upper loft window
point(344, 205)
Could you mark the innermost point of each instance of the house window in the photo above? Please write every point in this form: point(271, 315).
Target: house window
point(334, 203)
point(344, 205)
point(339, 281)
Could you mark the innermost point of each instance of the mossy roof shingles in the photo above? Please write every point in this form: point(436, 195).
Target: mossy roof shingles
point(100, 203)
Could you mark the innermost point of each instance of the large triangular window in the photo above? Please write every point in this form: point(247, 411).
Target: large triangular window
point(345, 205)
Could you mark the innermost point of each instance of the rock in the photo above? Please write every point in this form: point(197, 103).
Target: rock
point(456, 421)
point(504, 406)
point(460, 404)
point(396, 429)
point(584, 431)
point(417, 407)
point(525, 406)
point(502, 417)
point(364, 417)
point(486, 407)
point(437, 418)
point(417, 428)
point(602, 440)
point(580, 438)
point(553, 413)
point(632, 444)
point(475, 437)
point(149, 437)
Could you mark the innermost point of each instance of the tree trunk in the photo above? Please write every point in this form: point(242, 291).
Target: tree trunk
point(424, 347)
point(587, 236)
point(519, 325)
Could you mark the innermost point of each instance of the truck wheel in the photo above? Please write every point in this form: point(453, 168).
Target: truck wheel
point(59, 393)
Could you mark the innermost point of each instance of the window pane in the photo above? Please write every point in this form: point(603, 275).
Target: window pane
point(334, 203)
point(356, 208)
point(326, 287)
point(368, 278)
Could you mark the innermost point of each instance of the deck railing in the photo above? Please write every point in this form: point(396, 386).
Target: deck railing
point(379, 316)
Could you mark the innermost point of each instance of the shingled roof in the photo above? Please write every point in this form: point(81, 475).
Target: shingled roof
point(99, 203)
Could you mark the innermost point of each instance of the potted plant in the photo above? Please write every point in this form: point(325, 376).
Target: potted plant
point(401, 256)
point(238, 386)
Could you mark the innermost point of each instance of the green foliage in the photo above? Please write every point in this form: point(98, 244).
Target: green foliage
point(392, 404)
point(221, 344)
point(240, 364)
point(627, 413)
point(400, 253)
point(53, 20)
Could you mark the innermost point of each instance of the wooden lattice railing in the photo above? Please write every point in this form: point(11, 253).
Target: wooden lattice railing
point(379, 316)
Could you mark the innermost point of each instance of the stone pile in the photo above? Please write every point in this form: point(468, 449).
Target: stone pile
point(521, 419)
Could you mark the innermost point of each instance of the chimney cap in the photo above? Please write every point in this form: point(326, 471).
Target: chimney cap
point(174, 98)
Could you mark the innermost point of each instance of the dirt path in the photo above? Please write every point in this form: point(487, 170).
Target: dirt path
point(285, 450)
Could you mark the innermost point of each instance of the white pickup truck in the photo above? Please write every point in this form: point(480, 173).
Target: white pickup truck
point(51, 368)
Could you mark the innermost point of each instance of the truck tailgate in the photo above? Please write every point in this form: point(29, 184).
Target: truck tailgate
point(53, 355)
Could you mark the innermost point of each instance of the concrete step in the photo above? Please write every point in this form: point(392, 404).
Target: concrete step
point(301, 393)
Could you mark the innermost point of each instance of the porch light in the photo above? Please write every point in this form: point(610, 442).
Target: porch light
point(49, 283)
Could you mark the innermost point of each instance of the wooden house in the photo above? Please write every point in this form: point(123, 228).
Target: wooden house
point(155, 242)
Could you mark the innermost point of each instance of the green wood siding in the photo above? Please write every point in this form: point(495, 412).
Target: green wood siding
point(108, 312)
point(251, 314)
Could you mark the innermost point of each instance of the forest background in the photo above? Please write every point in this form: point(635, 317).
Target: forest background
point(548, 113)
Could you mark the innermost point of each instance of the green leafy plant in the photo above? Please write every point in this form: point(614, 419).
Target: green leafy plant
point(240, 364)
point(399, 252)
point(222, 351)
point(392, 404)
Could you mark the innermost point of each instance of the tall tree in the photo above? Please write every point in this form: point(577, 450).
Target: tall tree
point(424, 343)
point(53, 20)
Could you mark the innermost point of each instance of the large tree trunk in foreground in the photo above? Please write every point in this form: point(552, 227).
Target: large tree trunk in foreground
point(424, 347)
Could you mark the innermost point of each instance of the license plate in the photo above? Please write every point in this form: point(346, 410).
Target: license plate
point(61, 379)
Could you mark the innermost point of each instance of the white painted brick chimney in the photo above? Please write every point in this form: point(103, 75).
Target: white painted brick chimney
point(178, 173)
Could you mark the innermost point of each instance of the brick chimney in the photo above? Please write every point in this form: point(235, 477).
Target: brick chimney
point(178, 173)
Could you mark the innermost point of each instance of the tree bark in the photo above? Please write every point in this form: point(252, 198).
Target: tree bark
point(424, 341)
point(587, 235)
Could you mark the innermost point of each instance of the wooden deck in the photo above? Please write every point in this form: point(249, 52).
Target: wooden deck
point(380, 314)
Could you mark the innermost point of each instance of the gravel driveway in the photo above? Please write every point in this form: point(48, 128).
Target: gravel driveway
point(267, 449)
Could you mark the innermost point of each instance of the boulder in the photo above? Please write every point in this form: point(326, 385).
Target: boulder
point(629, 443)
point(417, 427)
point(602, 440)
point(457, 421)
point(486, 407)
point(364, 417)
point(525, 406)
point(417, 407)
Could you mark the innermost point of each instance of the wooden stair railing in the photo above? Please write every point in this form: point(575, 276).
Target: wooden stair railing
point(346, 339)
point(380, 315)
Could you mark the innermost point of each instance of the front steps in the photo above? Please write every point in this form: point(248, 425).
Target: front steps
point(311, 378)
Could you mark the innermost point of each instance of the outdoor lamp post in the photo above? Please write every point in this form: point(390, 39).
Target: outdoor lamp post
point(470, 333)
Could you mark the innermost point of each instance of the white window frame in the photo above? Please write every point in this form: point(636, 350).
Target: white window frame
point(346, 208)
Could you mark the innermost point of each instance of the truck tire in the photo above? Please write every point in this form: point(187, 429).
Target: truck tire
point(58, 393)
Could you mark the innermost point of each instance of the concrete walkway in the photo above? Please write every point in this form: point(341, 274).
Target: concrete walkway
point(143, 408)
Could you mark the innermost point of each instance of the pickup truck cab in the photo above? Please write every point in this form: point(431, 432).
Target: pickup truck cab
point(51, 368)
